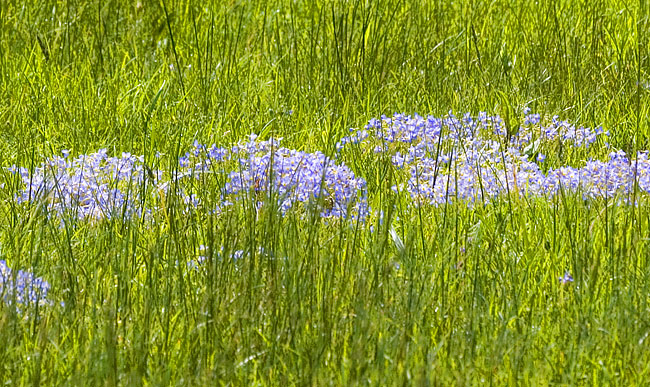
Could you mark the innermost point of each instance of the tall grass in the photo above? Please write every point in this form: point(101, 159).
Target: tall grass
point(446, 295)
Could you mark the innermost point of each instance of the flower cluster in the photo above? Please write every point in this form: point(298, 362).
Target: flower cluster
point(97, 186)
point(90, 186)
point(567, 278)
point(478, 159)
point(22, 287)
point(483, 178)
point(469, 159)
point(260, 169)
point(409, 138)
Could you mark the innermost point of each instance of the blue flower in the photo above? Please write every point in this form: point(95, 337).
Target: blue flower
point(475, 160)
point(22, 287)
point(92, 186)
point(567, 278)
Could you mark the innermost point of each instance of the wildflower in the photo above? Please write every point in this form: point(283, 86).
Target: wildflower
point(297, 177)
point(476, 160)
point(91, 186)
point(22, 287)
point(566, 278)
point(398, 160)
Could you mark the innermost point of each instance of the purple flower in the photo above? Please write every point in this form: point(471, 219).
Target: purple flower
point(472, 160)
point(256, 169)
point(22, 287)
point(91, 186)
point(566, 278)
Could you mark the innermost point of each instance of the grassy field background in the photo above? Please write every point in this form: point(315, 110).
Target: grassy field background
point(446, 295)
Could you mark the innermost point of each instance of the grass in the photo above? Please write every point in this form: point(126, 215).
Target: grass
point(446, 295)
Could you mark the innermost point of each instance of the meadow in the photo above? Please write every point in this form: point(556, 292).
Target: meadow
point(294, 192)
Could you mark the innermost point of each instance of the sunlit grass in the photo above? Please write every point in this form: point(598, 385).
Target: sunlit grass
point(453, 294)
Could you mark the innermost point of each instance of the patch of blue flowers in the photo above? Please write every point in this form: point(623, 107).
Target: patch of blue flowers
point(478, 159)
point(468, 159)
point(92, 186)
point(22, 287)
point(256, 168)
point(97, 186)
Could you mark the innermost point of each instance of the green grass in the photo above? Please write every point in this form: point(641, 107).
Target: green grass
point(476, 295)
